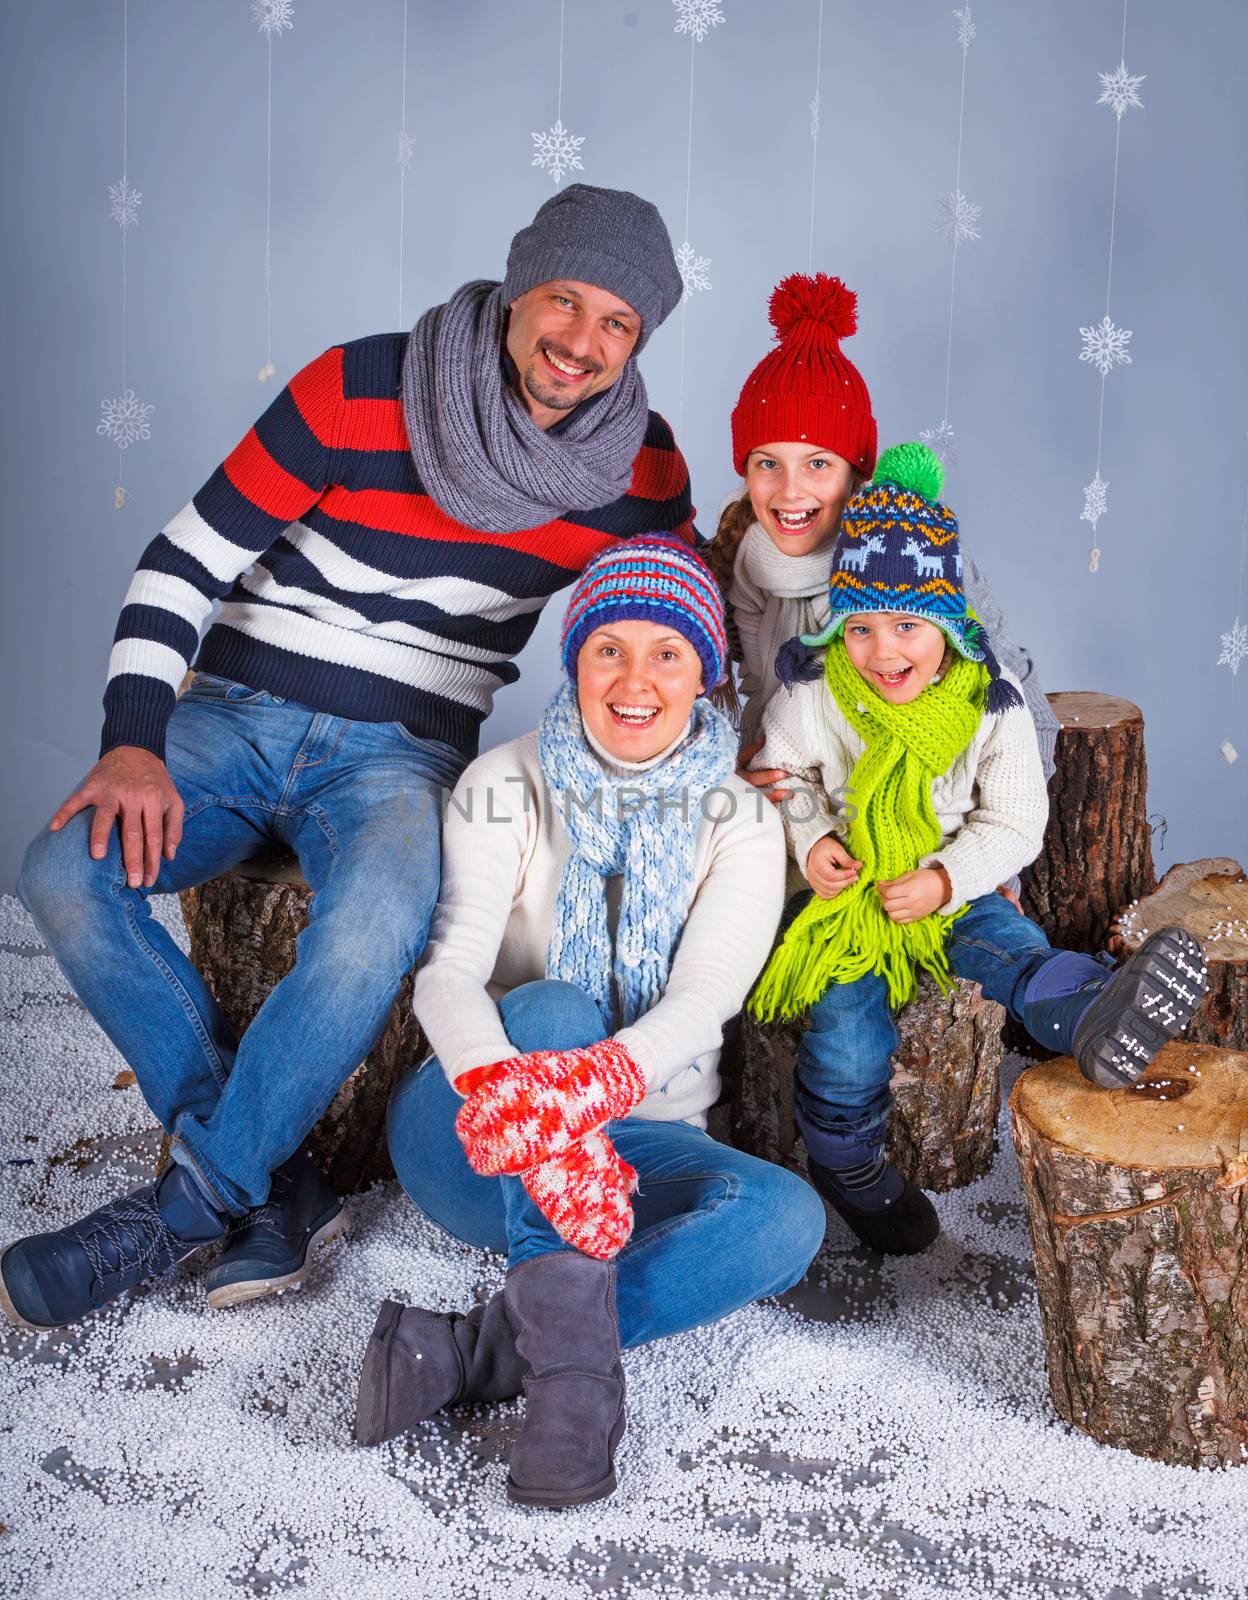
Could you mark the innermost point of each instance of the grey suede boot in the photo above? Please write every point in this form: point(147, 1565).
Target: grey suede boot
point(563, 1305)
point(417, 1362)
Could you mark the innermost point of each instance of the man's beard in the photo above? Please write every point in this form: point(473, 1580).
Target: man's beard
point(554, 398)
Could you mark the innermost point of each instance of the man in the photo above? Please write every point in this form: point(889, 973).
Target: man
point(382, 543)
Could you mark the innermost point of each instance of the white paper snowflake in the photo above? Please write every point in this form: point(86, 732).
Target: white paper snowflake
point(697, 17)
point(1120, 90)
point(407, 149)
point(814, 119)
point(126, 419)
point(273, 15)
point(692, 267)
point(958, 220)
point(939, 440)
point(1095, 501)
point(1105, 346)
point(966, 27)
point(125, 203)
point(1234, 647)
point(556, 150)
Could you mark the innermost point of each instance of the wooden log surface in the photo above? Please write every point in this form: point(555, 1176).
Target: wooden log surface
point(1210, 899)
point(1137, 1200)
point(946, 1088)
point(243, 926)
point(1097, 855)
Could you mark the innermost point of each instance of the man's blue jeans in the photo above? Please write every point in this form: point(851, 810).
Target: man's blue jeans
point(844, 1062)
point(360, 804)
point(714, 1228)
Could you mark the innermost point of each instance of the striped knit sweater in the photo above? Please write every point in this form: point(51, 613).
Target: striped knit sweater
point(342, 585)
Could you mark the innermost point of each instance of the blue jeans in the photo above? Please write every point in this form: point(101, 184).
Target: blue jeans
point(359, 803)
point(844, 1062)
point(714, 1228)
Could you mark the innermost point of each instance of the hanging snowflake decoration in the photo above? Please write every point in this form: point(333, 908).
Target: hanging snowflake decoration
point(958, 220)
point(814, 119)
point(1105, 346)
point(966, 27)
point(125, 203)
point(1095, 501)
point(939, 441)
point(407, 149)
point(557, 151)
point(273, 15)
point(126, 419)
point(697, 17)
point(1120, 89)
point(692, 268)
point(1234, 647)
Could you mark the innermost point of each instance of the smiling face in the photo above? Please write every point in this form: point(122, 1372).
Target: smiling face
point(568, 340)
point(896, 653)
point(798, 493)
point(635, 684)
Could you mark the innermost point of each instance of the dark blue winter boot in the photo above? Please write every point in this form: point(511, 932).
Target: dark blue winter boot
point(49, 1279)
point(887, 1212)
point(1115, 1023)
point(269, 1248)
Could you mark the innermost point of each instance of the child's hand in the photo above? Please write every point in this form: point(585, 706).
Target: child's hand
point(915, 894)
point(767, 778)
point(830, 867)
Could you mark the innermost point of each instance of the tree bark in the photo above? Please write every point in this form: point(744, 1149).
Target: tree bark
point(1138, 1205)
point(1097, 855)
point(243, 928)
point(1210, 899)
point(946, 1088)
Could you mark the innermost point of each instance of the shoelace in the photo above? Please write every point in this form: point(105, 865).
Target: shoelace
point(126, 1234)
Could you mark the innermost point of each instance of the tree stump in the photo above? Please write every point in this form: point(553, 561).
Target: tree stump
point(1098, 851)
point(1138, 1205)
point(946, 1088)
point(243, 927)
point(1210, 899)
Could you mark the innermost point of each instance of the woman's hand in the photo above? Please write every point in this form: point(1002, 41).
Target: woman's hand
point(584, 1195)
point(537, 1105)
point(1009, 894)
point(830, 867)
point(767, 778)
point(915, 894)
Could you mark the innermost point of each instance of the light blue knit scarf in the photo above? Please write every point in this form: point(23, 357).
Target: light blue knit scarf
point(651, 845)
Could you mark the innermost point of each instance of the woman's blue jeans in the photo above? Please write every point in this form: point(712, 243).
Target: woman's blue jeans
point(845, 1059)
point(714, 1228)
point(360, 805)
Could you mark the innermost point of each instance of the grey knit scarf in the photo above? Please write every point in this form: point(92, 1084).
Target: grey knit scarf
point(479, 454)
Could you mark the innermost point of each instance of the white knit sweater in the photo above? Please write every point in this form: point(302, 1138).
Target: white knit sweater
point(992, 805)
point(503, 852)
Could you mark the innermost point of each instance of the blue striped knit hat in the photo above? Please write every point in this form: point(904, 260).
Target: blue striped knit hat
point(650, 578)
point(897, 550)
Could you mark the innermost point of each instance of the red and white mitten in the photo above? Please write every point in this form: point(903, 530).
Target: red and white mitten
point(538, 1105)
point(584, 1194)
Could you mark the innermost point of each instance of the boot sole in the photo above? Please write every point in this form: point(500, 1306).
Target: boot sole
point(553, 1500)
point(234, 1294)
point(1123, 1032)
point(374, 1387)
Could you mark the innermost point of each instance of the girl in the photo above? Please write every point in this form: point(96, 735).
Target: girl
point(610, 891)
point(804, 440)
point(911, 710)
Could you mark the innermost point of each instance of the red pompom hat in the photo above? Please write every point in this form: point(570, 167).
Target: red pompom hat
point(806, 388)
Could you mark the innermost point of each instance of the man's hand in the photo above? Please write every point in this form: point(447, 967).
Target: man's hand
point(915, 894)
point(830, 867)
point(767, 778)
point(131, 787)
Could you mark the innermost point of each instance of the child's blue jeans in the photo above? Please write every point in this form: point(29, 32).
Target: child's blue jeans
point(844, 1063)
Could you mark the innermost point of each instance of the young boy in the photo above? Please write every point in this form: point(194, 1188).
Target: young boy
point(910, 713)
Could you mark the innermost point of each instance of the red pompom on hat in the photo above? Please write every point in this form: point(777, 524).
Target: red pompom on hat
point(806, 388)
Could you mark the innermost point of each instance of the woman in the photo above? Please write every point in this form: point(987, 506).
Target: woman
point(610, 892)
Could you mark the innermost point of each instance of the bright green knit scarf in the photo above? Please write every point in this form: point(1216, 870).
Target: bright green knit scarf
point(836, 941)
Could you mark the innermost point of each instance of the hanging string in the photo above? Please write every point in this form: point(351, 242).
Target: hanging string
point(557, 150)
point(272, 17)
point(405, 161)
point(815, 108)
point(695, 18)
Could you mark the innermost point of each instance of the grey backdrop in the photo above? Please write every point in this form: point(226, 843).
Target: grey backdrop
point(1038, 158)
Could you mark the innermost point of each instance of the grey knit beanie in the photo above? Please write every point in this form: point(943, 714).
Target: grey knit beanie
point(607, 237)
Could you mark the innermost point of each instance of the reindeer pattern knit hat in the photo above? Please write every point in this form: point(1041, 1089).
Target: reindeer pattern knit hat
point(807, 388)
